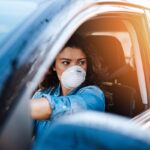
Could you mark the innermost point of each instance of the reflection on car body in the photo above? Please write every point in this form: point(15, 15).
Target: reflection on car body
point(119, 31)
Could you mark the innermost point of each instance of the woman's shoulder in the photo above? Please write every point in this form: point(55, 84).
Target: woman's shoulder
point(92, 88)
point(39, 93)
point(94, 95)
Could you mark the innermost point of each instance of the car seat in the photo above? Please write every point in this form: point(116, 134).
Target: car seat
point(121, 96)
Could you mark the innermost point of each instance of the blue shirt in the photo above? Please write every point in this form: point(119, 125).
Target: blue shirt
point(79, 99)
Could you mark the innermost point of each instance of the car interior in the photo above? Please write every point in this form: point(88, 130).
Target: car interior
point(111, 42)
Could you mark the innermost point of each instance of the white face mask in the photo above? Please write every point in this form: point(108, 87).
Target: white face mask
point(73, 77)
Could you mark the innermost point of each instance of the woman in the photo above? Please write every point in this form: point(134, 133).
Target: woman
point(70, 86)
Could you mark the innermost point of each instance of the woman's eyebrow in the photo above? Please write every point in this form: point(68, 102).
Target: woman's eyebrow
point(65, 59)
point(68, 59)
point(82, 58)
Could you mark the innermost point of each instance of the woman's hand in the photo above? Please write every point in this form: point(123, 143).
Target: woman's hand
point(40, 109)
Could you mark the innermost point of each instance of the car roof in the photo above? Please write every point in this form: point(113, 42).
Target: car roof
point(140, 3)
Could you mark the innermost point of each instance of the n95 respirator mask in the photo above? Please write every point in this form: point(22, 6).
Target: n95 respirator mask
point(73, 77)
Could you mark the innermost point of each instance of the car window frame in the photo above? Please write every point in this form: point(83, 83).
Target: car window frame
point(52, 47)
point(144, 46)
point(73, 25)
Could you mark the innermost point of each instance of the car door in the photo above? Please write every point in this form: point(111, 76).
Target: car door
point(22, 53)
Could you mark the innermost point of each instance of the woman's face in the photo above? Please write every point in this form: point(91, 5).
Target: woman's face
point(68, 57)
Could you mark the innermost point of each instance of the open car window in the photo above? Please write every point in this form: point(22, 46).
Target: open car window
point(112, 43)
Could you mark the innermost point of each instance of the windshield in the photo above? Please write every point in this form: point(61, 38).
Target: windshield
point(12, 14)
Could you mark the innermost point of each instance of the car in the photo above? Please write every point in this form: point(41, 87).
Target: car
point(32, 33)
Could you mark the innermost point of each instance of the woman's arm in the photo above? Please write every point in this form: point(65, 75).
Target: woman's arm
point(40, 109)
point(88, 98)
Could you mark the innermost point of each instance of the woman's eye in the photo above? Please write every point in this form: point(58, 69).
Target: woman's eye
point(82, 62)
point(65, 62)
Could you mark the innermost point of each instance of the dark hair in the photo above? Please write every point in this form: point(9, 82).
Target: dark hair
point(95, 73)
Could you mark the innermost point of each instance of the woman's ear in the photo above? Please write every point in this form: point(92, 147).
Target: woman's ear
point(54, 69)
